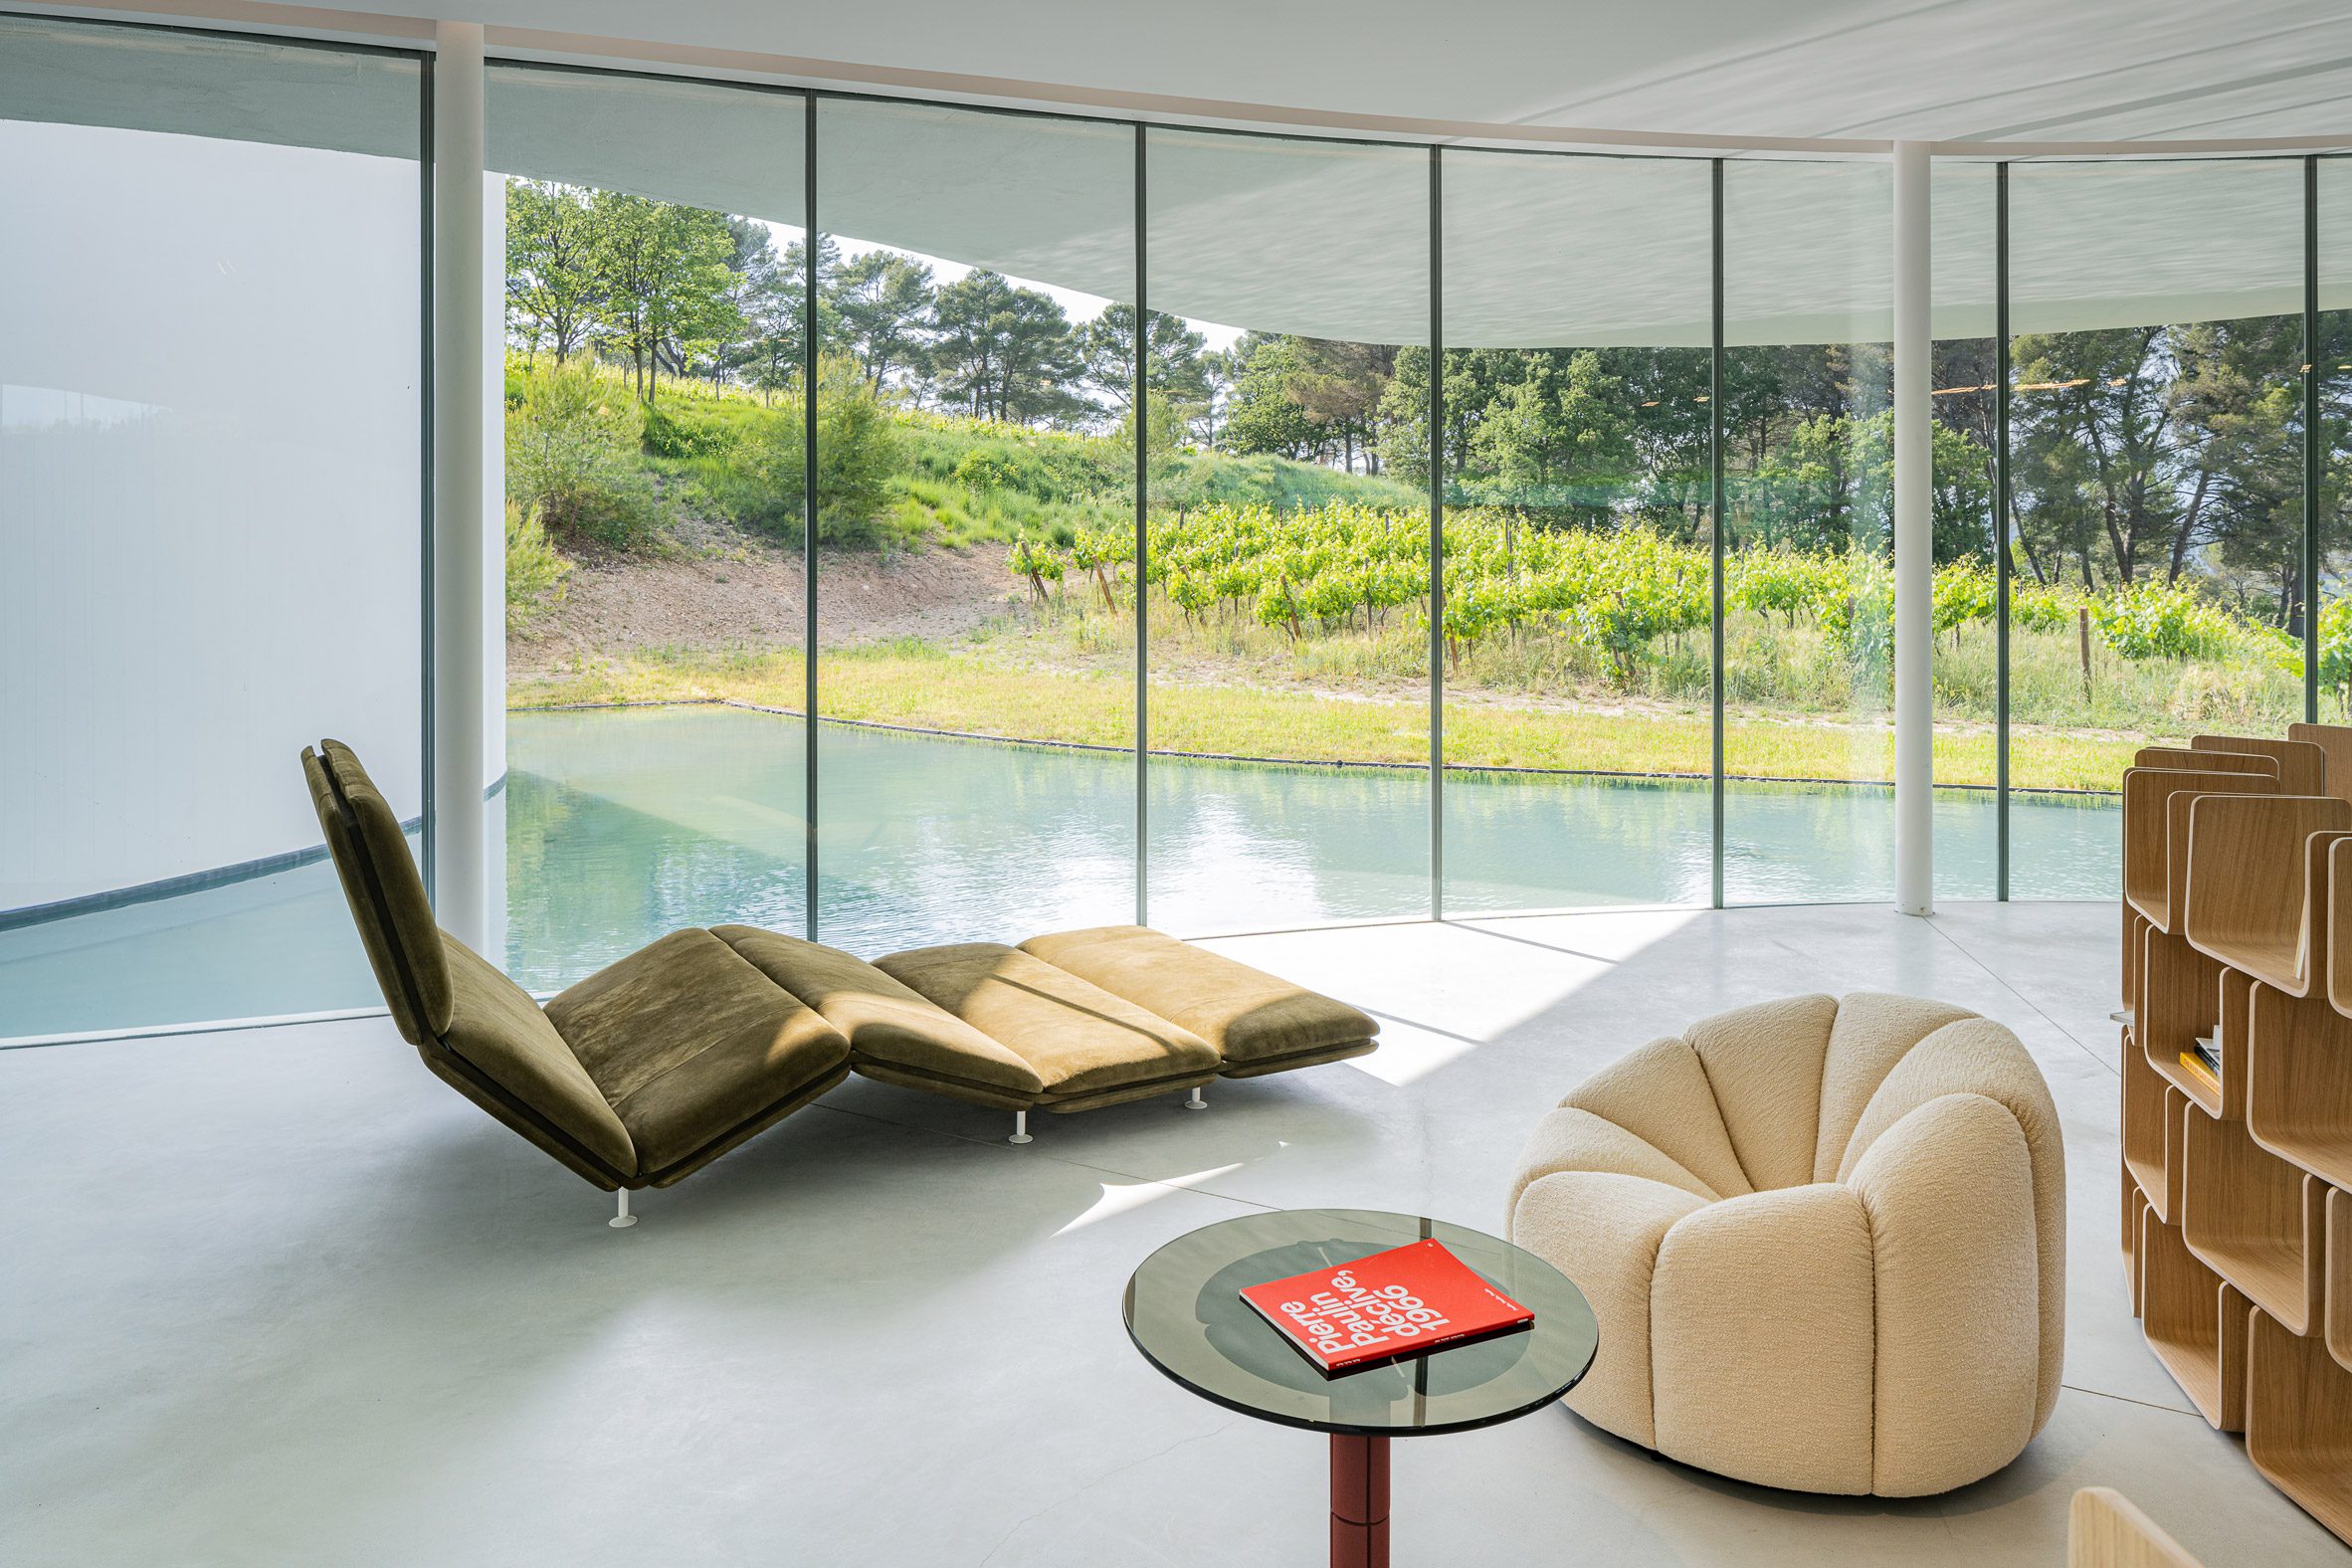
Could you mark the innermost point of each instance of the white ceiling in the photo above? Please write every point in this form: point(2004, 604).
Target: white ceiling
point(1932, 70)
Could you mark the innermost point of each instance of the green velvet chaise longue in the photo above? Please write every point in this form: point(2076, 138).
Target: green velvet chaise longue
point(651, 1068)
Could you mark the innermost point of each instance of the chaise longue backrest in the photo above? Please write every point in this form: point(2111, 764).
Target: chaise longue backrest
point(478, 1030)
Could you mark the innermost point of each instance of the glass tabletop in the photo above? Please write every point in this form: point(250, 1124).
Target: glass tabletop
point(1184, 1313)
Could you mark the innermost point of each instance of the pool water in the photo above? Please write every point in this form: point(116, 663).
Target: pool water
point(623, 824)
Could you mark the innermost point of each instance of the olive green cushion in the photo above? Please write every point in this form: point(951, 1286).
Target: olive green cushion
point(690, 1043)
point(497, 1027)
point(382, 886)
point(1253, 1020)
point(887, 1022)
point(1079, 1039)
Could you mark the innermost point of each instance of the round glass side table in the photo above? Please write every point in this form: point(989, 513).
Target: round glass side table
point(1184, 1313)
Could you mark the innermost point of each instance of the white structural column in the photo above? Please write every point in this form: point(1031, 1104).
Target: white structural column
point(1914, 640)
point(459, 579)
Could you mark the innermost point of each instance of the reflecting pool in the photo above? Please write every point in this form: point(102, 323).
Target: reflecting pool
point(623, 824)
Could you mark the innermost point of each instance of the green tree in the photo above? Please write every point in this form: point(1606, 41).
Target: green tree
point(1006, 352)
point(1559, 439)
point(1173, 367)
point(882, 302)
point(663, 272)
point(551, 282)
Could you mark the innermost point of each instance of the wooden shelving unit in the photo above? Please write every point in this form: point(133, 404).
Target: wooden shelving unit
point(2237, 1202)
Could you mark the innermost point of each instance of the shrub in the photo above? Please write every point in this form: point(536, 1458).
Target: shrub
point(535, 570)
point(573, 459)
point(857, 456)
point(2161, 621)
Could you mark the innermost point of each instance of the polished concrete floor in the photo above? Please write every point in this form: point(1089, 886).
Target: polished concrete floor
point(276, 1296)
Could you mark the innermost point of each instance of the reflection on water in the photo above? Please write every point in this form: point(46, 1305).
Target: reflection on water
point(624, 824)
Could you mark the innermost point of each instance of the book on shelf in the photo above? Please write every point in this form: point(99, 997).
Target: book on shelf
point(1407, 1301)
point(2205, 1071)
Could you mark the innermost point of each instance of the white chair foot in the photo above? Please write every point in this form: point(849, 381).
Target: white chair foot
point(1195, 1102)
point(1019, 1128)
point(623, 1220)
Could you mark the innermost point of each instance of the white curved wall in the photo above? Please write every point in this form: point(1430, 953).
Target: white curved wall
point(209, 506)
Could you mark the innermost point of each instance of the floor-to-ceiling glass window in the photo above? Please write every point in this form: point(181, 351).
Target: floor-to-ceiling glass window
point(2156, 465)
point(1577, 294)
point(2333, 365)
point(1288, 563)
point(1964, 529)
point(975, 503)
point(1809, 557)
point(209, 512)
point(654, 593)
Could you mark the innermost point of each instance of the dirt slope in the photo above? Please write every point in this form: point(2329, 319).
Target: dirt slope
point(727, 589)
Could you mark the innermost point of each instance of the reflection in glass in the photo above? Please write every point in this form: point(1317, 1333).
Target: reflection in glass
point(653, 452)
point(1809, 560)
point(1288, 563)
point(1578, 299)
point(209, 477)
point(2156, 463)
point(975, 471)
point(1965, 530)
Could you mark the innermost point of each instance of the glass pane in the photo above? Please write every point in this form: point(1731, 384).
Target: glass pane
point(1809, 558)
point(209, 512)
point(1289, 654)
point(2335, 414)
point(654, 593)
point(1965, 529)
point(1578, 298)
point(2156, 467)
point(977, 523)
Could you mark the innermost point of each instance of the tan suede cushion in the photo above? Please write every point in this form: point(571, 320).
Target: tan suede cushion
point(381, 885)
point(690, 1043)
point(1077, 1038)
point(1245, 1014)
point(497, 1027)
point(885, 1022)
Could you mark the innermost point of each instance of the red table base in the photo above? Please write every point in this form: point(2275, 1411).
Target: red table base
point(1359, 1502)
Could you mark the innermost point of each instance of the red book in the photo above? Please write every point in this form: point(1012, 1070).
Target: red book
point(1406, 1302)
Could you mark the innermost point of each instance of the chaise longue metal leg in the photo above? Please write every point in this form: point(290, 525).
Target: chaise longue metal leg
point(1020, 1127)
point(623, 1220)
point(1195, 1102)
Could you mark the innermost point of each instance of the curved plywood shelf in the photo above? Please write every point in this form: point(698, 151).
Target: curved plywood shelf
point(2256, 897)
point(2237, 1201)
point(2135, 1204)
point(2255, 1220)
point(2152, 1112)
point(2183, 999)
point(2335, 742)
point(2302, 765)
point(2298, 1084)
point(2156, 804)
point(2195, 1321)
point(2338, 1309)
point(2299, 1421)
point(2339, 931)
point(2104, 1529)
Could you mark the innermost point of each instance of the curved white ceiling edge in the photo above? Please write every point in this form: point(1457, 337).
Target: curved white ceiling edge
point(1327, 238)
point(1998, 77)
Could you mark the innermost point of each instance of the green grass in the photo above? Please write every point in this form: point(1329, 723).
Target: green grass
point(985, 692)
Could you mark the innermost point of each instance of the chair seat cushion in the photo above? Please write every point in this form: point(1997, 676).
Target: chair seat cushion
point(888, 1024)
point(1082, 1042)
point(1255, 1021)
point(691, 1044)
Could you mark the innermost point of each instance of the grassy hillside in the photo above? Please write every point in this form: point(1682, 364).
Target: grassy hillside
point(889, 477)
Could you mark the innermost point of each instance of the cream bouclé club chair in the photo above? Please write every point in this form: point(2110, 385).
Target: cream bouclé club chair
point(1825, 1243)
